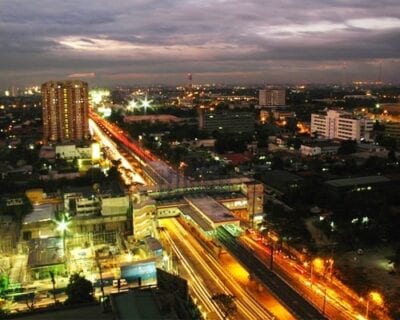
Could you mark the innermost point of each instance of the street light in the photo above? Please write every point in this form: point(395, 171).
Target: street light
point(62, 226)
point(146, 103)
point(330, 263)
point(376, 297)
point(306, 264)
point(320, 266)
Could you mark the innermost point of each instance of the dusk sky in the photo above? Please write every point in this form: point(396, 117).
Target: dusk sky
point(227, 41)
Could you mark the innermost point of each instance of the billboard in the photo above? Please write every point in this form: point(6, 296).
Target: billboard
point(141, 273)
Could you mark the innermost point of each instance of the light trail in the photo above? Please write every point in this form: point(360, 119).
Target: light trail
point(106, 141)
point(196, 284)
point(246, 304)
point(141, 155)
point(336, 306)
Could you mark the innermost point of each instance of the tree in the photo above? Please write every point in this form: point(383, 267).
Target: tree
point(116, 116)
point(392, 156)
point(386, 141)
point(395, 258)
point(4, 282)
point(394, 304)
point(3, 313)
point(347, 147)
point(53, 282)
point(227, 303)
point(227, 142)
point(79, 290)
point(30, 300)
point(294, 142)
point(291, 124)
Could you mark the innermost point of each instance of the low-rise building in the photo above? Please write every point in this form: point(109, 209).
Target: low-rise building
point(271, 96)
point(152, 118)
point(40, 222)
point(143, 217)
point(282, 115)
point(281, 181)
point(338, 124)
point(392, 129)
point(357, 184)
point(226, 121)
point(46, 255)
point(314, 148)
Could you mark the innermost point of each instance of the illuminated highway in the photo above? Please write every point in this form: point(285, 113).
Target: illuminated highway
point(117, 133)
point(300, 307)
point(289, 282)
point(288, 270)
point(197, 288)
point(337, 305)
point(156, 171)
point(212, 273)
point(116, 154)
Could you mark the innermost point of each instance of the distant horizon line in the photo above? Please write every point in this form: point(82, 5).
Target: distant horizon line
point(255, 85)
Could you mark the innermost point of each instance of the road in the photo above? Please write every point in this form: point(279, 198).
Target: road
point(299, 307)
point(212, 273)
point(319, 291)
point(285, 284)
point(116, 153)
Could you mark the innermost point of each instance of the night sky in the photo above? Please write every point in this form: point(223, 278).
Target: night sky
point(159, 42)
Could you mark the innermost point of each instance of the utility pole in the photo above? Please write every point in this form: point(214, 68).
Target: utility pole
point(324, 302)
point(253, 206)
point(53, 281)
point(271, 262)
point(101, 275)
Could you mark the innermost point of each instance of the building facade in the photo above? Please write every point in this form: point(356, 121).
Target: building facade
point(226, 121)
point(392, 129)
point(272, 97)
point(341, 125)
point(65, 107)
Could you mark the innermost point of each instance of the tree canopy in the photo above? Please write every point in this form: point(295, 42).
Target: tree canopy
point(227, 303)
point(79, 290)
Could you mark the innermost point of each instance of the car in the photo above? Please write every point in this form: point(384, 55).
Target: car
point(250, 231)
point(122, 283)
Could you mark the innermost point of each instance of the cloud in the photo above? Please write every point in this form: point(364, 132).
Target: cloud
point(82, 75)
point(228, 40)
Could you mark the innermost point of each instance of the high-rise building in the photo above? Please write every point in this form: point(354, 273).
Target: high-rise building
point(272, 97)
point(342, 125)
point(65, 109)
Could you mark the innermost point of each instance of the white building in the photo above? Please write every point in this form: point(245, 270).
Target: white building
point(315, 148)
point(272, 97)
point(336, 124)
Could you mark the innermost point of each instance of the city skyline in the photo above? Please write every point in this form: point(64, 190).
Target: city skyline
point(149, 42)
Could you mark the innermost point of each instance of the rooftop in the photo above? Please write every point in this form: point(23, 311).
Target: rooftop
point(280, 179)
point(40, 213)
point(141, 304)
point(357, 181)
point(45, 252)
point(197, 218)
point(153, 244)
point(322, 143)
point(86, 311)
point(210, 209)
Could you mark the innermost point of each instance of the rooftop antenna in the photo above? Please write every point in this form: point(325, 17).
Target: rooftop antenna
point(190, 81)
point(344, 70)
